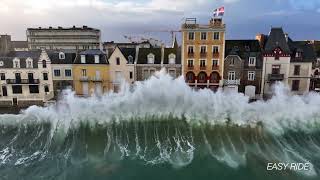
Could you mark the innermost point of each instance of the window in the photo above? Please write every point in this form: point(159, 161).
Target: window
point(172, 59)
point(202, 63)
point(131, 75)
point(203, 36)
point(275, 69)
point(231, 75)
point(191, 35)
point(252, 61)
point(296, 70)
point(215, 49)
point(190, 63)
point(150, 59)
point(118, 61)
point(16, 63)
point(298, 54)
point(46, 89)
point(44, 64)
point(216, 35)
point(96, 59)
point(18, 77)
point(67, 72)
point(83, 59)
point(295, 85)
point(62, 55)
point(146, 74)
point(1, 63)
point(56, 72)
point(190, 50)
point(33, 89)
point(4, 91)
point(16, 89)
point(84, 72)
point(172, 73)
point(215, 62)
point(130, 59)
point(29, 63)
point(251, 75)
point(152, 71)
point(232, 61)
point(203, 49)
point(3, 76)
point(45, 76)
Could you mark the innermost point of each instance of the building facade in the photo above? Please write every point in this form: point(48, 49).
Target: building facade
point(286, 61)
point(61, 67)
point(91, 74)
point(315, 78)
point(121, 64)
point(79, 38)
point(25, 78)
point(203, 49)
point(243, 67)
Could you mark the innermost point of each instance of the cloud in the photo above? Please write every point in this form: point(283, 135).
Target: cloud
point(305, 4)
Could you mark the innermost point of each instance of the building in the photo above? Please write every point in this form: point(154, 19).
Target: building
point(151, 60)
point(20, 45)
point(315, 78)
point(25, 78)
point(203, 53)
point(121, 64)
point(287, 61)
point(243, 67)
point(91, 74)
point(5, 44)
point(61, 67)
point(79, 38)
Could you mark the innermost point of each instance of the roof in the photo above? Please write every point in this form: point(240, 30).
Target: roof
point(175, 51)
point(276, 39)
point(90, 57)
point(306, 49)
point(70, 56)
point(128, 52)
point(63, 28)
point(240, 47)
point(22, 55)
point(316, 45)
point(144, 52)
point(19, 44)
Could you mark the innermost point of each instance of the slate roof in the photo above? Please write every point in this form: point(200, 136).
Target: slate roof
point(70, 56)
point(241, 47)
point(90, 54)
point(276, 39)
point(317, 48)
point(144, 52)
point(128, 52)
point(306, 49)
point(22, 55)
point(168, 51)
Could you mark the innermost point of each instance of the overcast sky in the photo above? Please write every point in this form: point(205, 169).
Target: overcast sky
point(115, 18)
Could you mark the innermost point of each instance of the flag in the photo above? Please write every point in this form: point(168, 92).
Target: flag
point(218, 12)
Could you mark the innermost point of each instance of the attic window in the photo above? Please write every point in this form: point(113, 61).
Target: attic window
point(29, 63)
point(298, 54)
point(16, 63)
point(172, 58)
point(151, 58)
point(96, 59)
point(1, 63)
point(83, 59)
point(62, 55)
point(247, 48)
point(130, 59)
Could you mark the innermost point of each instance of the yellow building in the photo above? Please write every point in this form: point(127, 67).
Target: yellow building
point(91, 73)
point(203, 49)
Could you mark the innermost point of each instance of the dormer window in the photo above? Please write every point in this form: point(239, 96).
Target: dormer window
point(62, 56)
point(29, 63)
point(16, 63)
point(172, 59)
point(96, 59)
point(130, 59)
point(252, 61)
point(1, 63)
point(83, 59)
point(298, 54)
point(44, 64)
point(151, 58)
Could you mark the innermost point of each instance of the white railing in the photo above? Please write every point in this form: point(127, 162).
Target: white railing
point(231, 82)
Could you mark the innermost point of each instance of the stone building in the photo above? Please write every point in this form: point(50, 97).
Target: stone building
point(203, 48)
point(25, 78)
point(315, 78)
point(79, 38)
point(243, 67)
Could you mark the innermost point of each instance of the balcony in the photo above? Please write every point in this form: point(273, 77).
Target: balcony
point(215, 67)
point(234, 82)
point(215, 55)
point(97, 79)
point(190, 67)
point(203, 67)
point(275, 77)
point(190, 55)
point(23, 81)
point(84, 79)
point(203, 54)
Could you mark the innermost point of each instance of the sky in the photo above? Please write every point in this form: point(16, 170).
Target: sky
point(244, 18)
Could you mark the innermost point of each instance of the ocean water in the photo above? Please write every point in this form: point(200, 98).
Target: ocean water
point(162, 129)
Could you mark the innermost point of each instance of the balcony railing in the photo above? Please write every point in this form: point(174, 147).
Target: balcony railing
point(215, 54)
point(215, 67)
point(203, 54)
point(234, 82)
point(203, 67)
point(84, 79)
point(190, 55)
point(97, 79)
point(190, 67)
point(275, 77)
point(23, 81)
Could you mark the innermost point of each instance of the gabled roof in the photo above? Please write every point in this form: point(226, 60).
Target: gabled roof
point(128, 52)
point(70, 56)
point(276, 39)
point(144, 52)
point(240, 47)
point(22, 55)
point(175, 51)
point(305, 48)
point(90, 57)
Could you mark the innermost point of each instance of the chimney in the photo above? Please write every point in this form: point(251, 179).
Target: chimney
point(286, 36)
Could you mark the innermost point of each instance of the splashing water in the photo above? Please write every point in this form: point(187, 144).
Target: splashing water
point(162, 129)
